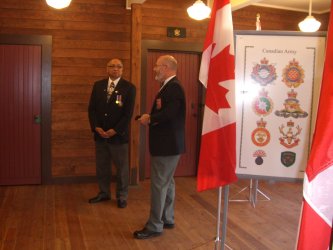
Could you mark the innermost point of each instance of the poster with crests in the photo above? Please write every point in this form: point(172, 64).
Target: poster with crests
point(278, 81)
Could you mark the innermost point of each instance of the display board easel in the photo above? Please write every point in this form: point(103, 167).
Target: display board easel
point(253, 192)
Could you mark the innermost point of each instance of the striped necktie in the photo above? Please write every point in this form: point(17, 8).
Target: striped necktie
point(110, 90)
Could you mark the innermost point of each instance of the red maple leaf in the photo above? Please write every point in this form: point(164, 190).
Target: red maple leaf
point(221, 68)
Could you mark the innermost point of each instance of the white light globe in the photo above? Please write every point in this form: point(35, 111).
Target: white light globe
point(309, 24)
point(198, 10)
point(58, 4)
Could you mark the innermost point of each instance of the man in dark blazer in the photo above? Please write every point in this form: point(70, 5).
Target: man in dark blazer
point(166, 144)
point(110, 111)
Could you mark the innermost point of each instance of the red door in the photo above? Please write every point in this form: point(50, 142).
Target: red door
point(188, 74)
point(20, 96)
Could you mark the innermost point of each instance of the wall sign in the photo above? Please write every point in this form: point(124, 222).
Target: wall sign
point(176, 32)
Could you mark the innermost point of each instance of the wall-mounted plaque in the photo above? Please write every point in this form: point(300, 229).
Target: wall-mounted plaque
point(176, 32)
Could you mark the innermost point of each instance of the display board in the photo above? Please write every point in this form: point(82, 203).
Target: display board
point(278, 77)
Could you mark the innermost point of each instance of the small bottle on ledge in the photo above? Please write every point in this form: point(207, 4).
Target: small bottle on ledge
point(258, 24)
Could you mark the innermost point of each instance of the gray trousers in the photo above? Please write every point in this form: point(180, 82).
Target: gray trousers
point(106, 154)
point(162, 191)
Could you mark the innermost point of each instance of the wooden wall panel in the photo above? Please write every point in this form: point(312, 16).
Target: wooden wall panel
point(272, 19)
point(157, 15)
point(173, 14)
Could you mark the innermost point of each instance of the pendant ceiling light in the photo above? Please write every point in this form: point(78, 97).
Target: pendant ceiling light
point(198, 10)
point(58, 4)
point(309, 24)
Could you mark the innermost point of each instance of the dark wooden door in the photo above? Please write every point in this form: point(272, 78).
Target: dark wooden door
point(188, 74)
point(20, 97)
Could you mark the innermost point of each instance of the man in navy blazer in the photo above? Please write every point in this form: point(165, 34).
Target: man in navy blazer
point(110, 111)
point(166, 123)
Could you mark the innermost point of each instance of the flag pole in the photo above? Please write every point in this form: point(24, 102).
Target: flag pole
point(217, 239)
point(225, 216)
point(220, 243)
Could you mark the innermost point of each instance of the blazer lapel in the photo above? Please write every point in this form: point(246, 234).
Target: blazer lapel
point(105, 90)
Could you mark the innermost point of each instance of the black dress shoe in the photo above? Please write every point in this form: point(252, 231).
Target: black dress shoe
point(145, 234)
point(122, 203)
point(99, 198)
point(168, 225)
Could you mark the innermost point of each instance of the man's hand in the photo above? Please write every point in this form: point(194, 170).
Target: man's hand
point(101, 132)
point(111, 132)
point(144, 119)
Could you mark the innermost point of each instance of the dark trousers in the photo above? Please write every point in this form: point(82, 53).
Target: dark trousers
point(106, 154)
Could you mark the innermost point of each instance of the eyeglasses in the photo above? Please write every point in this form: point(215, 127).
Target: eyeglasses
point(112, 66)
point(158, 65)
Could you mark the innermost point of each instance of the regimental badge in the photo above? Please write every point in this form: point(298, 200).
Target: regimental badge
point(262, 105)
point(261, 136)
point(291, 107)
point(293, 74)
point(289, 137)
point(259, 154)
point(263, 73)
point(158, 103)
point(288, 158)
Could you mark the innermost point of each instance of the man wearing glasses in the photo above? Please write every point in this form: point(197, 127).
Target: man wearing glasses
point(110, 111)
point(166, 123)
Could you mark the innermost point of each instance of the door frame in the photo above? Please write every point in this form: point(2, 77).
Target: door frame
point(45, 42)
point(156, 45)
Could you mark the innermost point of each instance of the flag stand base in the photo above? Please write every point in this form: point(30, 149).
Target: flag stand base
point(253, 193)
point(218, 245)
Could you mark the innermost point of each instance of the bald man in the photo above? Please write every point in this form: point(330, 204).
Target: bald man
point(166, 123)
point(110, 111)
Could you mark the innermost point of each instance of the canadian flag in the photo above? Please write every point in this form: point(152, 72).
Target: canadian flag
point(217, 161)
point(317, 211)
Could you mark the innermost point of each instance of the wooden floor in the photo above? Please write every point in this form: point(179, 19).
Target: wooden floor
point(59, 217)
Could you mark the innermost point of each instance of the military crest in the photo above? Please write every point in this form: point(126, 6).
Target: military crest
point(292, 107)
point(293, 74)
point(289, 137)
point(261, 136)
point(288, 158)
point(262, 105)
point(263, 73)
point(259, 154)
